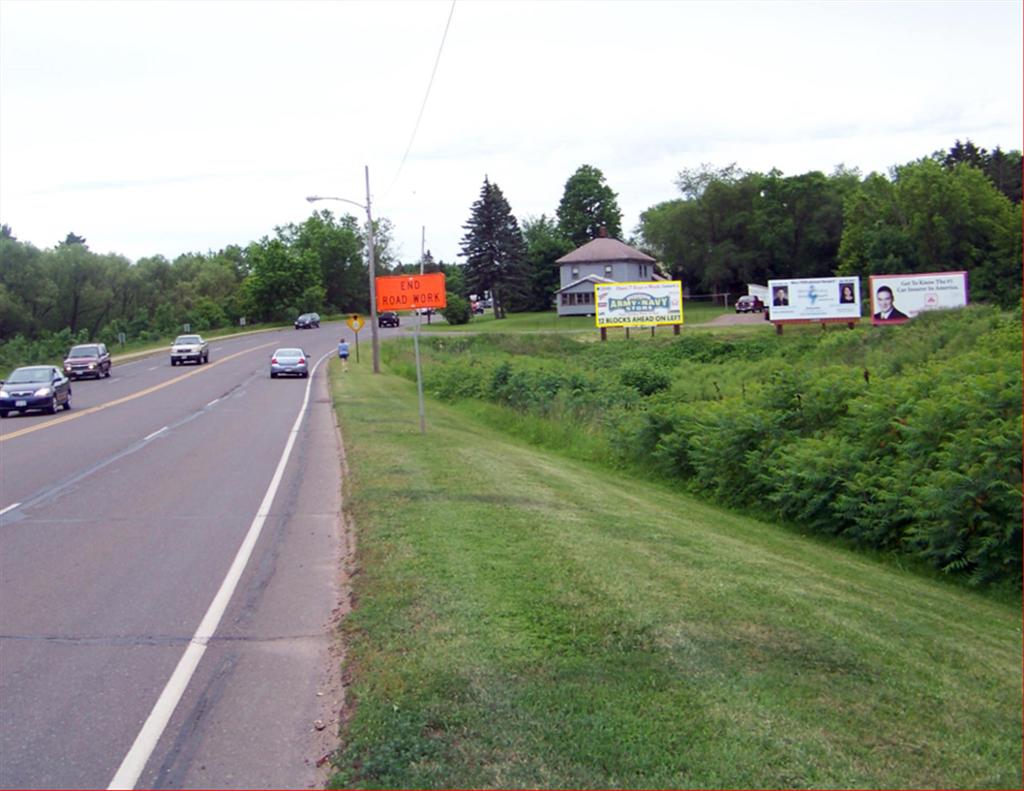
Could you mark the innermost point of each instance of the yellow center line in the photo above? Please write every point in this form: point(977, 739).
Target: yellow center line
point(83, 412)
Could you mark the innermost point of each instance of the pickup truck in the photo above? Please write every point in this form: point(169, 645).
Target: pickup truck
point(190, 347)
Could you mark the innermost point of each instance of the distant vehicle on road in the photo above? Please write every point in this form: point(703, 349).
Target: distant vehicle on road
point(749, 304)
point(190, 347)
point(387, 319)
point(35, 387)
point(87, 359)
point(289, 361)
point(307, 321)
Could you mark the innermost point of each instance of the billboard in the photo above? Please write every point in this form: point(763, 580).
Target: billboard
point(898, 298)
point(814, 299)
point(638, 304)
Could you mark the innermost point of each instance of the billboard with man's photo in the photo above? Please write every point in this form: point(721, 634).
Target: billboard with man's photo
point(898, 298)
point(814, 299)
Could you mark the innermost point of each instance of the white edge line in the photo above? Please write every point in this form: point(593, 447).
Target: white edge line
point(135, 761)
point(11, 507)
point(214, 401)
point(155, 433)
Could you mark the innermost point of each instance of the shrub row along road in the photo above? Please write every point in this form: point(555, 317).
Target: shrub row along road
point(119, 523)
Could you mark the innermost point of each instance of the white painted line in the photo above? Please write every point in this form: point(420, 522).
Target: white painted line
point(155, 433)
point(214, 401)
point(154, 367)
point(135, 761)
point(11, 507)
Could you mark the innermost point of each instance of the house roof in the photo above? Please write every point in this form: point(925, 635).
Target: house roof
point(604, 249)
point(587, 279)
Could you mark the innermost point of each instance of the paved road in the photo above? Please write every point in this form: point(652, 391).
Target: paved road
point(120, 522)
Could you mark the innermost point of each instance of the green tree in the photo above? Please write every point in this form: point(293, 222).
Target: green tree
point(545, 244)
point(929, 218)
point(283, 281)
point(494, 249)
point(337, 245)
point(587, 205)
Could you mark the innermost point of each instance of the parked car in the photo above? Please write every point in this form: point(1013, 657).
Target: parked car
point(749, 304)
point(190, 347)
point(477, 308)
point(307, 321)
point(387, 319)
point(289, 361)
point(39, 387)
point(87, 359)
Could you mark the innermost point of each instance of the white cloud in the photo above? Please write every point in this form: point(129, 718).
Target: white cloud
point(168, 127)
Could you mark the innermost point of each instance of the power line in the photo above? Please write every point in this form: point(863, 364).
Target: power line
point(426, 96)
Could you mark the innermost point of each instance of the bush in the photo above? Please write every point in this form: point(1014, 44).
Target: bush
point(902, 439)
point(457, 310)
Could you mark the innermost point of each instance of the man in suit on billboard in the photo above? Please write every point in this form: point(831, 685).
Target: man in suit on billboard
point(886, 310)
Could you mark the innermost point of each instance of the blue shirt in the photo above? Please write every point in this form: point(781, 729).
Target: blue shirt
point(343, 349)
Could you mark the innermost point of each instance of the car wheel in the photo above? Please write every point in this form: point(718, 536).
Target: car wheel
point(206, 358)
point(67, 404)
point(52, 408)
point(3, 413)
point(107, 373)
point(273, 375)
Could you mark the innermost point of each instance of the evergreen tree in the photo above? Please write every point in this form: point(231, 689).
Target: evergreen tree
point(588, 204)
point(494, 249)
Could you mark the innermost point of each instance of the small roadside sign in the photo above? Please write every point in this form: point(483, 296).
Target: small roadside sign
point(355, 322)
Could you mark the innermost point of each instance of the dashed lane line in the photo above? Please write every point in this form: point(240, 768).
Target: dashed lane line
point(83, 412)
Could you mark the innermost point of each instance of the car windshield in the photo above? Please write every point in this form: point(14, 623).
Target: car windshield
point(30, 375)
point(187, 339)
point(288, 353)
point(84, 351)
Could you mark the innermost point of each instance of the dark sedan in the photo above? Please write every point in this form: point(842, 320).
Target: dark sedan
point(307, 321)
point(39, 387)
point(387, 319)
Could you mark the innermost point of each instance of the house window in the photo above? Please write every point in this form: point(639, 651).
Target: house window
point(565, 298)
point(607, 270)
point(575, 272)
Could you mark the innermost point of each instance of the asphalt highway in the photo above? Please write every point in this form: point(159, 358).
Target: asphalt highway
point(121, 523)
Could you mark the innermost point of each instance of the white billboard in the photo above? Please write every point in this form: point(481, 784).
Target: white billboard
point(814, 299)
point(638, 304)
point(898, 298)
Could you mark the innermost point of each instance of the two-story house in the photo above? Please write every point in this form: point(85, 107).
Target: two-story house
point(601, 260)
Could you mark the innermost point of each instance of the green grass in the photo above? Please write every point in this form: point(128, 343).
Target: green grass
point(525, 620)
point(550, 321)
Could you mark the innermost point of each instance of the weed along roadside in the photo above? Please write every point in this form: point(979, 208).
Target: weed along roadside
point(526, 617)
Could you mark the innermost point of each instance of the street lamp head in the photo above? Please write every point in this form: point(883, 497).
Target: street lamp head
point(313, 198)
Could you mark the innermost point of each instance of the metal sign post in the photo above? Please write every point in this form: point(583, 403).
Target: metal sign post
point(355, 323)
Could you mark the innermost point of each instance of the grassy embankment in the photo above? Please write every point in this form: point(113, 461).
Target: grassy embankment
point(523, 619)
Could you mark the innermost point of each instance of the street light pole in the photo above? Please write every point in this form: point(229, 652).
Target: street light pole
point(373, 279)
point(370, 261)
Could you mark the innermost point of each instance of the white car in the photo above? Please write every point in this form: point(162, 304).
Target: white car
point(190, 348)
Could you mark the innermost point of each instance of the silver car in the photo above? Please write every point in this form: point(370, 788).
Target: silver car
point(291, 362)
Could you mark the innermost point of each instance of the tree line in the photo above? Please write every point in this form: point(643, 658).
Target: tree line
point(958, 209)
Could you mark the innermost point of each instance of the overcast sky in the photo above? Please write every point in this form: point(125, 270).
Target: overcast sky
point(171, 127)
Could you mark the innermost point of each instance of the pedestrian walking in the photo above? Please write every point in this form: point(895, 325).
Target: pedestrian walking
point(343, 353)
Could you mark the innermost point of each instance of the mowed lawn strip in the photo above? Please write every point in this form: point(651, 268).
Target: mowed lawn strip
point(525, 620)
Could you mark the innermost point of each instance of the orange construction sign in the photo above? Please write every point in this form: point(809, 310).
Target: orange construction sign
point(408, 292)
